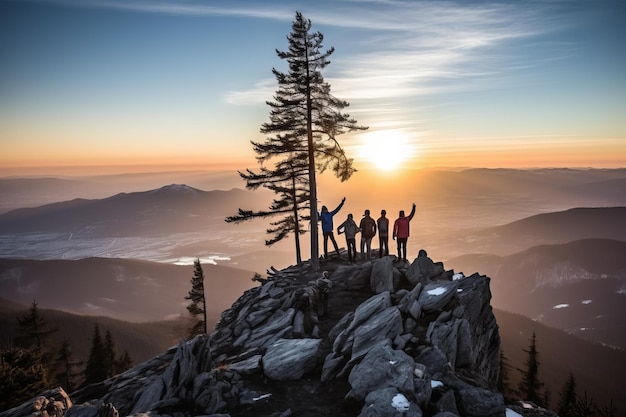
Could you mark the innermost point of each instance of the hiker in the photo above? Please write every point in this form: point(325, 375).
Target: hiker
point(327, 226)
point(368, 231)
point(322, 288)
point(383, 234)
point(401, 231)
point(350, 228)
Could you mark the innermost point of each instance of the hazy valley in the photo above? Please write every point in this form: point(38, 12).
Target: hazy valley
point(552, 242)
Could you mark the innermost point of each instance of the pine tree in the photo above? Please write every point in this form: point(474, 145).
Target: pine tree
point(305, 118)
point(504, 378)
point(567, 397)
point(197, 307)
point(123, 362)
point(34, 335)
point(289, 180)
point(21, 375)
point(95, 370)
point(530, 385)
point(108, 361)
point(33, 329)
point(67, 375)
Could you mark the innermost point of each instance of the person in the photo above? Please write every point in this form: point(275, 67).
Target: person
point(350, 228)
point(383, 234)
point(327, 226)
point(322, 288)
point(401, 232)
point(368, 231)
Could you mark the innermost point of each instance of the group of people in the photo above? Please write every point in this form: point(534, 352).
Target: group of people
point(368, 227)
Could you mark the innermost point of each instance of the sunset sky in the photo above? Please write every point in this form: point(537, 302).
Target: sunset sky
point(138, 84)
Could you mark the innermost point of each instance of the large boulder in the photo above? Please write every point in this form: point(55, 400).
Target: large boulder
point(289, 359)
point(381, 279)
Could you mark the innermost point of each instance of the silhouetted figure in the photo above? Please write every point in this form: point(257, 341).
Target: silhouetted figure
point(368, 231)
point(322, 286)
point(401, 232)
point(326, 218)
point(350, 228)
point(383, 234)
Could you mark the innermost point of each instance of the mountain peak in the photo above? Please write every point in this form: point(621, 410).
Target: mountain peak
point(177, 188)
point(383, 333)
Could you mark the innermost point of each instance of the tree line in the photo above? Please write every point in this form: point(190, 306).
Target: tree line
point(34, 362)
point(531, 389)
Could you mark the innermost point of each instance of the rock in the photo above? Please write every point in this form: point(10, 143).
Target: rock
point(51, 403)
point(382, 367)
point(435, 296)
point(387, 324)
point(423, 269)
point(289, 359)
point(381, 279)
point(388, 402)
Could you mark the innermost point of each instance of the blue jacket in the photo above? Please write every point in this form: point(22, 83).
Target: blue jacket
point(327, 218)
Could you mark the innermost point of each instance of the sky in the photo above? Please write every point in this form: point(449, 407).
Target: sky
point(140, 84)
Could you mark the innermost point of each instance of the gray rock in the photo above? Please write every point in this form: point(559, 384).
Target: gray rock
point(289, 359)
point(247, 366)
point(423, 269)
point(388, 402)
point(381, 279)
point(387, 324)
point(382, 367)
point(435, 296)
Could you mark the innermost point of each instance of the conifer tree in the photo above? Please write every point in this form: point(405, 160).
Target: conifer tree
point(108, 359)
point(567, 397)
point(530, 385)
point(306, 119)
point(34, 334)
point(33, 329)
point(95, 370)
point(67, 374)
point(21, 374)
point(289, 180)
point(197, 307)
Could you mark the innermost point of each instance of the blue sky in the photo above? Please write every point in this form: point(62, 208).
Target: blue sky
point(499, 83)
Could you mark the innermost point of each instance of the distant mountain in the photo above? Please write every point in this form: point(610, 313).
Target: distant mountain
point(130, 290)
point(548, 228)
point(579, 286)
point(170, 209)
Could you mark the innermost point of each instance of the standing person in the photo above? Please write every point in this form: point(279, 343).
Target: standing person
point(401, 231)
point(368, 231)
point(350, 228)
point(383, 234)
point(327, 226)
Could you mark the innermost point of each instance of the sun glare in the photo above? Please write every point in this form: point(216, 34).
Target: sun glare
point(386, 150)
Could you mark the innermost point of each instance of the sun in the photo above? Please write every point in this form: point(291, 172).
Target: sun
point(386, 150)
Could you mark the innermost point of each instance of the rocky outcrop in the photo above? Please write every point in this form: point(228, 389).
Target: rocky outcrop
point(398, 340)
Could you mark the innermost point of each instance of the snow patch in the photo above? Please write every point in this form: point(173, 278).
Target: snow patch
point(458, 277)
point(436, 291)
point(261, 397)
point(435, 384)
point(393, 362)
point(558, 306)
point(585, 302)
point(400, 403)
point(511, 413)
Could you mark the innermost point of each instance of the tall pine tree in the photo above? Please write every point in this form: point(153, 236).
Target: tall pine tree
point(197, 307)
point(567, 397)
point(95, 370)
point(67, 367)
point(306, 119)
point(530, 385)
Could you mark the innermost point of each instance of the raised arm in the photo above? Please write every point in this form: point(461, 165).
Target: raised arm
point(335, 211)
point(412, 212)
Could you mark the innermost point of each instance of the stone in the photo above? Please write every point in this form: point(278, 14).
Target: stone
point(289, 359)
point(382, 367)
point(388, 402)
point(436, 295)
point(387, 324)
point(381, 278)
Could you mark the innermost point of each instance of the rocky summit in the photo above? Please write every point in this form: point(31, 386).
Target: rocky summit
point(378, 338)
